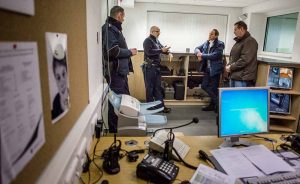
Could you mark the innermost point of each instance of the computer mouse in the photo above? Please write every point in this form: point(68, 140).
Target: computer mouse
point(203, 155)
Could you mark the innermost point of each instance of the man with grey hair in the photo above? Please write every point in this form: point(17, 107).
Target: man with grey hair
point(116, 59)
point(151, 69)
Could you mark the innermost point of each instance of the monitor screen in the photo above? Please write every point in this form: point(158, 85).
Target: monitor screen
point(280, 77)
point(280, 103)
point(243, 111)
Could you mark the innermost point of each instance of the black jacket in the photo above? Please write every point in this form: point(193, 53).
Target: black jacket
point(115, 48)
point(152, 49)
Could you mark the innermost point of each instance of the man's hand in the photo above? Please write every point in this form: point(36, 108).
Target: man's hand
point(227, 68)
point(199, 56)
point(133, 51)
point(170, 57)
point(165, 49)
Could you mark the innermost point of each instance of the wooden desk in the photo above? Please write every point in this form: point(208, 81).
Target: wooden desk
point(128, 169)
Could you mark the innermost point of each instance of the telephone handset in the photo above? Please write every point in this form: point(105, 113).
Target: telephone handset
point(157, 143)
point(156, 170)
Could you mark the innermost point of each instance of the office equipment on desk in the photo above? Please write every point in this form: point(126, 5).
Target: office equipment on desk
point(207, 175)
point(242, 111)
point(156, 170)
point(158, 143)
point(133, 116)
point(278, 178)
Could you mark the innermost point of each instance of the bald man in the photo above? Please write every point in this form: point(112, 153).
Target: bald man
point(151, 69)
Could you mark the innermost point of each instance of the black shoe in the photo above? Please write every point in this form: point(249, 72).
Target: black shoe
point(166, 110)
point(208, 108)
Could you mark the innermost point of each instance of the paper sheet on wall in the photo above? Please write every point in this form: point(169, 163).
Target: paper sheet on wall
point(24, 6)
point(21, 113)
point(58, 75)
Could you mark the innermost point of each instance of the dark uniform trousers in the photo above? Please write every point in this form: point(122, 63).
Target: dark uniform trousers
point(119, 85)
point(152, 78)
point(210, 85)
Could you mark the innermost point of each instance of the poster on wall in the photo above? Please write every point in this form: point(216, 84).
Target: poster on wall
point(24, 6)
point(58, 75)
point(22, 131)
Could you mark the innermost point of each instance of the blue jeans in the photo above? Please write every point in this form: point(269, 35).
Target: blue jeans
point(238, 83)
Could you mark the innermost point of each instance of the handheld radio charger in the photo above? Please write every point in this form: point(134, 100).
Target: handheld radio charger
point(111, 158)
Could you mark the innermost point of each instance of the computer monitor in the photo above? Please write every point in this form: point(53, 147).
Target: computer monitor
point(280, 77)
point(280, 103)
point(242, 111)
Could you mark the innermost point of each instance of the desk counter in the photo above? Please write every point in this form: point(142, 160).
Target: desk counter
point(128, 169)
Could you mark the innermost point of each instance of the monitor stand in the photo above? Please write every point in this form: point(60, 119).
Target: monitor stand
point(235, 141)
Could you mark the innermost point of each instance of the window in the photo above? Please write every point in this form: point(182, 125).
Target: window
point(280, 33)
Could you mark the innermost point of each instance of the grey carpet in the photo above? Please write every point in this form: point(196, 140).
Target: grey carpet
point(184, 114)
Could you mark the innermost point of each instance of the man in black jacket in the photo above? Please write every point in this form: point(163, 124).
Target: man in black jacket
point(151, 69)
point(116, 59)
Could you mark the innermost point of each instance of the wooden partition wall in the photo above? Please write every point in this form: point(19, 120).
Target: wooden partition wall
point(65, 16)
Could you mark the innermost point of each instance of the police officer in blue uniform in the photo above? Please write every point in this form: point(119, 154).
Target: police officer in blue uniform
point(151, 68)
point(210, 54)
point(116, 59)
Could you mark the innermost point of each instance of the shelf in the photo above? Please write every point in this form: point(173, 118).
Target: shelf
point(173, 76)
point(189, 101)
point(195, 75)
point(285, 117)
point(280, 128)
point(292, 92)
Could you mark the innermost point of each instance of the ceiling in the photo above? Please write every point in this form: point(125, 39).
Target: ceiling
point(224, 3)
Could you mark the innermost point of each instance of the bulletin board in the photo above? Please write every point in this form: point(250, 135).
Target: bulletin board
point(68, 17)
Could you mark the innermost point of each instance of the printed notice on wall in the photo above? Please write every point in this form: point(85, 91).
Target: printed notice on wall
point(24, 6)
point(22, 131)
point(58, 74)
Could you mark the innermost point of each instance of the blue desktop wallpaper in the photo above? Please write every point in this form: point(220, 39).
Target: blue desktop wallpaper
point(243, 112)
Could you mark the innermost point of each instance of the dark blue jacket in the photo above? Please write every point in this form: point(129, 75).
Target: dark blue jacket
point(115, 47)
point(215, 56)
point(152, 49)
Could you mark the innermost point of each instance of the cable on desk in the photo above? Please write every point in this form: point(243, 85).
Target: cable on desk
point(185, 163)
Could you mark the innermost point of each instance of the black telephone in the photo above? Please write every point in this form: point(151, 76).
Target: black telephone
point(156, 170)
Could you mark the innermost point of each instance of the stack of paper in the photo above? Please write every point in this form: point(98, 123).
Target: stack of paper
point(250, 161)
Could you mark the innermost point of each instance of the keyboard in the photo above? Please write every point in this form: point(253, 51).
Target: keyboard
point(280, 178)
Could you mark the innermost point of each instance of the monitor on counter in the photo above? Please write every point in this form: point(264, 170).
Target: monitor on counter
point(242, 111)
point(280, 77)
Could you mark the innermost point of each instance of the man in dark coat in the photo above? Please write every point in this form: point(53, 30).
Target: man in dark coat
point(210, 54)
point(116, 59)
point(151, 69)
point(242, 64)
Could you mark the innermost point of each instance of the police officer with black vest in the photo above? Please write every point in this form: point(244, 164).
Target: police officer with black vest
point(151, 68)
point(116, 59)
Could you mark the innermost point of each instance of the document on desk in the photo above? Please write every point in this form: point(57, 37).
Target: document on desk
point(265, 160)
point(207, 175)
point(235, 163)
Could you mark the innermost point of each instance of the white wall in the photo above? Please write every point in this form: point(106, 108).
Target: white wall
point(135, 24)
point(257, 19)
point(94, 47)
